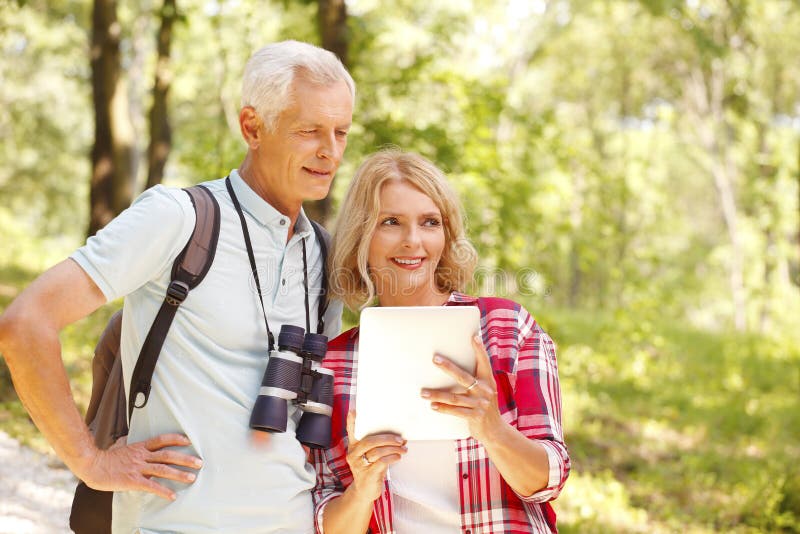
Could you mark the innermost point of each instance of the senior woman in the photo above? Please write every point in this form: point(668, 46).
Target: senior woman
point(400, 239)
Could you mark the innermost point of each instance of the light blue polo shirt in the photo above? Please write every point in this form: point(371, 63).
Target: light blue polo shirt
point(211, 366)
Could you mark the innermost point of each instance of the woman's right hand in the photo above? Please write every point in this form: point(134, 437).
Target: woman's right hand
point(370, 458)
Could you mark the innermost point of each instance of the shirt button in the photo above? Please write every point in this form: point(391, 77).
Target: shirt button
point(464, 476)
point(283, 222)
point(469, 531)
point(283, 282)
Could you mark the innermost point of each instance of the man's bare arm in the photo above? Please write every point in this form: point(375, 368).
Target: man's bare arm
point(29, 341)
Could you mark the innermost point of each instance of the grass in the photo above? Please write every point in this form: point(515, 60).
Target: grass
point(677, 430)
point(670, 429)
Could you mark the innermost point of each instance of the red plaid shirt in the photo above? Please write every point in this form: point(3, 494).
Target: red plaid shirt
point(524, 361)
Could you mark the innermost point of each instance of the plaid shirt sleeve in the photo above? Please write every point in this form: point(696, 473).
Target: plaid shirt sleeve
point(528, 397)
point(333, 472)
point(329, 485)
point(537, 395)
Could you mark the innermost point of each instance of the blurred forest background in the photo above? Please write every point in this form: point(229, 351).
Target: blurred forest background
point(630, 171)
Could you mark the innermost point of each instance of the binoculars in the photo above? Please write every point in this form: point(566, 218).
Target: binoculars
point(294, 374)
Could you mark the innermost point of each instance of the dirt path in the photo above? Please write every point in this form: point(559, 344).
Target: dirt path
point(35, 491)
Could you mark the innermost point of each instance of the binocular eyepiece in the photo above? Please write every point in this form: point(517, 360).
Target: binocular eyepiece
point(294, 374)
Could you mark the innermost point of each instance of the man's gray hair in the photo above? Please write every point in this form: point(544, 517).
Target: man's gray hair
point(269, 73)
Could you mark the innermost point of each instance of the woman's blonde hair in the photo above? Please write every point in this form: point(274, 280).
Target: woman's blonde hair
point(358, 219)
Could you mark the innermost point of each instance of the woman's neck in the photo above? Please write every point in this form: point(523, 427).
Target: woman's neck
point(428, 298)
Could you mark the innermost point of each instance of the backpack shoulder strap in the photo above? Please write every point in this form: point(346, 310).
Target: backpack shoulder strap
point(324, 240)
point(189, 269)
point(194, 261)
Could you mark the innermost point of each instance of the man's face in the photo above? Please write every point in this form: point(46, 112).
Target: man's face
point(300, 156)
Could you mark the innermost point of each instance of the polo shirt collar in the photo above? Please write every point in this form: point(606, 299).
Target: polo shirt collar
point(263, 212)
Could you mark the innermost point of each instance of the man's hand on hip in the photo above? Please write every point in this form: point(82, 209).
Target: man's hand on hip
point(134, 467)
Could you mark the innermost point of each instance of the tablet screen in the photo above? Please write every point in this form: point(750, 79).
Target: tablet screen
point(395, 352)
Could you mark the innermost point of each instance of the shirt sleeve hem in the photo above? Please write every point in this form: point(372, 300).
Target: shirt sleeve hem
point(320, 512)
point(84, 263)
point(551, 491)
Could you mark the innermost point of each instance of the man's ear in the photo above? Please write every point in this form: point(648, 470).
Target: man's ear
point(250, 126)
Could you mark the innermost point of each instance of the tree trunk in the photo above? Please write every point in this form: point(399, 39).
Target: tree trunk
point(160, 131)
point(332, 25)
point(112, 155)
point(225, 120)
point(725, 188)
point(705, 93)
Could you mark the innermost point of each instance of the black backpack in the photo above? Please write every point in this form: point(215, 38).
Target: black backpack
point(106, 414)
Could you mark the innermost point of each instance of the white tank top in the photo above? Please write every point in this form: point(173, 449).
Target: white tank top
point(424, 487)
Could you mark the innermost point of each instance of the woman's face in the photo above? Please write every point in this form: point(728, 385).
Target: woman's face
point(406, 247)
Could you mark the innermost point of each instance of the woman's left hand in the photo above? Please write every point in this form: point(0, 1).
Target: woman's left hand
point(477, 403)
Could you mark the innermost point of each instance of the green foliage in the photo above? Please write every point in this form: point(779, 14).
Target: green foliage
point(675, 429)
point(591, 142)
point(574, 131)
point(45, 121)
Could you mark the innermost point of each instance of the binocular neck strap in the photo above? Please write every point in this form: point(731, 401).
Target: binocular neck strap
point(252, 259)
point(305, 286)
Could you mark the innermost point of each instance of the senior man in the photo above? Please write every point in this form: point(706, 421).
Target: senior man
point(191, 463)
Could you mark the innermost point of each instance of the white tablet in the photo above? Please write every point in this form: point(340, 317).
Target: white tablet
point(395, 361)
